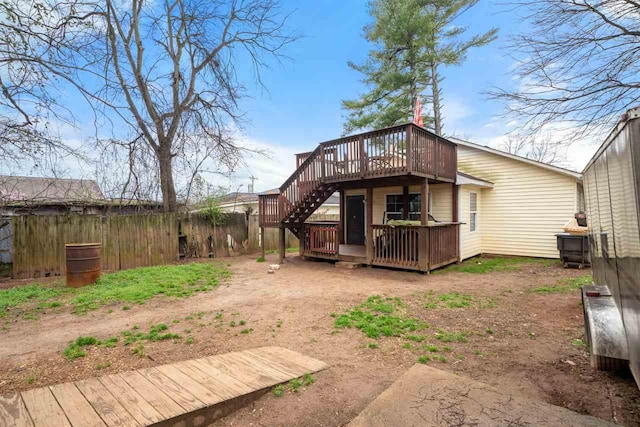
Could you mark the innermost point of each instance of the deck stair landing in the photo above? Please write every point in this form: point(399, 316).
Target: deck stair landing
point(190, 393)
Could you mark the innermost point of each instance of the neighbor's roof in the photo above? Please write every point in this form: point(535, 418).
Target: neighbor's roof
point(242, 198)
point(547, 166)
point(36, 189)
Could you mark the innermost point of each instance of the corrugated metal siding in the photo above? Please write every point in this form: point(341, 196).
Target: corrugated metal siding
point(470, 243)
point(526, 208)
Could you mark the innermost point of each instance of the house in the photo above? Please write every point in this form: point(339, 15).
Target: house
point(23, 195)
point(248, 203)
point(479, 200)
point(520, 211)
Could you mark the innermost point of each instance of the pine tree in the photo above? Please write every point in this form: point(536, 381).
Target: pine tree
point(412, 39)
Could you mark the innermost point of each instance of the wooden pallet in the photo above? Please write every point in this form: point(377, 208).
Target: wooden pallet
point(192, 392)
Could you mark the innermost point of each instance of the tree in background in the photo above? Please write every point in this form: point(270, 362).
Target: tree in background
point(413, 39)
point(578, 66)
point(160, 77)
point(543, 148)
point(444, 47)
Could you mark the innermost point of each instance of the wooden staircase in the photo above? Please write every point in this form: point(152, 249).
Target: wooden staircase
point(307, 206)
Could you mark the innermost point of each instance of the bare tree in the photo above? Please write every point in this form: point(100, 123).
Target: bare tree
point(545, 148)
point(166, 71)
point(578, 64)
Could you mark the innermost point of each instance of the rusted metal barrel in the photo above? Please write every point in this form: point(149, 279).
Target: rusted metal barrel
point(83, 263)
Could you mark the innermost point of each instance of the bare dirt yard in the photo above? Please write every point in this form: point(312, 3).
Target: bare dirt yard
point(513, 324)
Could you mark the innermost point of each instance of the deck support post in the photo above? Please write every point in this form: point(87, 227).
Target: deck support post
point(342, 207)
point(455, 216)
point(423, 239)
point(283, 244)
point(369, 224)
point(262, 242)
point(405, 202)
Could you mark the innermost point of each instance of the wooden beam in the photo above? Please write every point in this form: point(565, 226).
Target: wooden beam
point(342, 206)
point(283, 246)
point(262, 242)
point(369, 224)
point(405, 202)
point(423, 239)
point(454, 204)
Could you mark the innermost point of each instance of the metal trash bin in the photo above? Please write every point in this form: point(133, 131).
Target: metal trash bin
point(574, 250)
point(84, 263)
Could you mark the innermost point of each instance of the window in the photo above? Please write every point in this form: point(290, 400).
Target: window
point(395, 206)
point(473, 211)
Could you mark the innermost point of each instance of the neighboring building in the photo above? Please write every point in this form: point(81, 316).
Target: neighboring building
point(478, 200)
point(248, 203)
point(21, 195)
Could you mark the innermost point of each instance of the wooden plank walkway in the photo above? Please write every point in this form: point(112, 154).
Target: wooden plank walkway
point(189, 393)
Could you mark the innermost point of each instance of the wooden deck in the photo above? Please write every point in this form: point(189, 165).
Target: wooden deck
point(188, 393)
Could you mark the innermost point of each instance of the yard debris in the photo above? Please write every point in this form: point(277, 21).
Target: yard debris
point(270, 271)
point(274, 267)
point(569, 362)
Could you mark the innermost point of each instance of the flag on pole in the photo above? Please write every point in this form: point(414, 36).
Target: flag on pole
point(417, 116)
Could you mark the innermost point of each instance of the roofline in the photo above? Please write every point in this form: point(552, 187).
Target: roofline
point(239, 203)
point(631, 114)
point(466, 179)
point(553, 168)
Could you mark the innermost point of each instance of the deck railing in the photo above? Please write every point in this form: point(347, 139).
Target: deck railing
point(269, 210)
point(415, 247)
point(443, 245)
point(397, 246)
point(321, 240)
point(397, 150)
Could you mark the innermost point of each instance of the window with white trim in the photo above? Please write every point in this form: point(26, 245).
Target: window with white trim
point(473, 211)
point(395, 206)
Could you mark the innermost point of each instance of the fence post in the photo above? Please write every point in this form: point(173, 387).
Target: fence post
point(369, 218)
point(408, 148)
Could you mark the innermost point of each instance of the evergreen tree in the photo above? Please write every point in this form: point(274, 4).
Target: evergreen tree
point(412, 39)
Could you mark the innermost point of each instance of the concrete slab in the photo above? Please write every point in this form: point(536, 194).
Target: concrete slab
point(426, 396)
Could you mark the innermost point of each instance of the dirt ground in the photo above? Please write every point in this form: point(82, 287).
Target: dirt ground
point(520, 343)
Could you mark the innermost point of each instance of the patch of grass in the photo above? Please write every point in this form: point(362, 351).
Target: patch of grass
point(407, 345)
point(445, 336)
point(31, 379)
point(141, 284)
point(260, 259)
point(457, 300)
point(460, 356)
point(415, 338)
point(447, 349)
point(308, 379)
point(489, 331)
point(138, 349)
point(564, 285)
point(295, 384)
point(104, 365)
point(246, 331)
point(242, 323)
point(431, 348)
point(85, 341)
point(126, 307)
point(75, 348)
point(440, 358)
point(232, 323)
point(577, 342)
point(484, 265)
point(374, 318)
point(155, 334)
point(478, 353)
point(372, 345)
point(189, 340)
point(278, 391)
point(424, 359)
point(15, 297)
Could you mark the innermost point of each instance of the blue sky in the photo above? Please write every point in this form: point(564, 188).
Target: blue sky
point(301, 106)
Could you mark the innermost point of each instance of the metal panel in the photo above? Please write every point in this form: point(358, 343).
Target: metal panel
point(626, 151)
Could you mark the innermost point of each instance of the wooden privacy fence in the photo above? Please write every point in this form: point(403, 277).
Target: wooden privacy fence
point(128, 241)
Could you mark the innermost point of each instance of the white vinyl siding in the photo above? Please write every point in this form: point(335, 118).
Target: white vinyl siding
point(525, 208)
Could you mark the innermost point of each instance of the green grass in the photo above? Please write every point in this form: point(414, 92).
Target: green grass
point(125, 287)
point(373, 345)
point(378, 317)
point(484, 265)
point(295, 384)
point(260, 259)
point(75, 348)
point(308, 379)
point(189, 341)
point(445, 336)
point(424, 359)
point(431, 348)
point(577, 342)
point(415, 338)
point(31, 379)
point(455, 300)
point(104, 365)
point(278, 391)
point(564, 285)
point(156, 333)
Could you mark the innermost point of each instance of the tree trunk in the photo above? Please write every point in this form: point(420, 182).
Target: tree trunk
point(437, 118)
point(165, 160)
